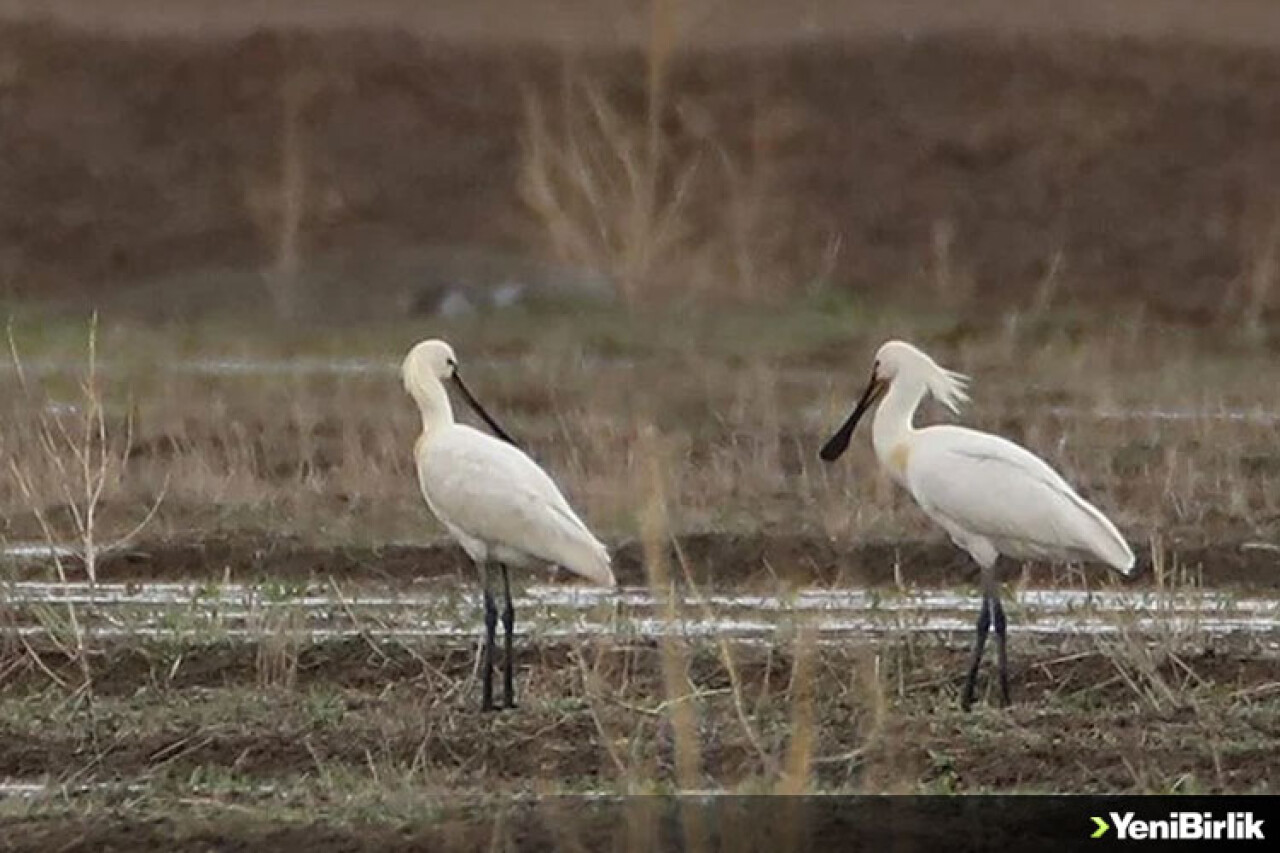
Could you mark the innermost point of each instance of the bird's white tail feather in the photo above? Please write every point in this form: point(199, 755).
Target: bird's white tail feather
point(582, 553)
point(1104, 541)
point(591, 561)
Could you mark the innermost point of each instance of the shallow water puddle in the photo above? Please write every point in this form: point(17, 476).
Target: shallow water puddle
point(37, 551)
point(321, 612)
point(28, 789)
point(547, 595)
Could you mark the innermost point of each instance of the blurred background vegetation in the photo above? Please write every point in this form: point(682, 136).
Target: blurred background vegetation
point(309, 163)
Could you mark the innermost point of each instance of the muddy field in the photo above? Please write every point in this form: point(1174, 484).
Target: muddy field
point(253, 693)
point(280, 645)
point(346, 712)
point(716, 561)
point(287, 637)
point(227, 621)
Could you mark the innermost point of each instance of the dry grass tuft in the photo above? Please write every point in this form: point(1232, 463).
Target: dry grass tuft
point(66, 455)
point(648, 198)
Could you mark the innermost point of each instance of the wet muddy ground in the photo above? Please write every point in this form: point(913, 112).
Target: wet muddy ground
point(282, 680)
point(713, 560)
point(237, 690)
point(251, 742)
point(248, 688)
point(237, 680)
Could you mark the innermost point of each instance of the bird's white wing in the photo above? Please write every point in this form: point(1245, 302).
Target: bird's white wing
point(494, 492)
point(985, 485)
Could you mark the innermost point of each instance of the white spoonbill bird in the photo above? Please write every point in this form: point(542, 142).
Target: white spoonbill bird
point(500, 506)
point(990, 495)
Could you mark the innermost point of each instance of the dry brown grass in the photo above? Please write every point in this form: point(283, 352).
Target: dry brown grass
point(365, 731)
point(165, 712)
point(63, 465)
point(1168, 436)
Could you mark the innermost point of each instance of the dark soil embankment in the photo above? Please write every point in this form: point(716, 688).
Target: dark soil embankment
point(716, 560)
point(971, 160)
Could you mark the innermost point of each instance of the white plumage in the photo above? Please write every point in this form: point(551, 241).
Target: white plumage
point(995, 497)
point(500, 506)
point(991, 496)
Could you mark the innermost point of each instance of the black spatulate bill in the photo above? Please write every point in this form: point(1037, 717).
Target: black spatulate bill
point(479, 410)
point(839, 442)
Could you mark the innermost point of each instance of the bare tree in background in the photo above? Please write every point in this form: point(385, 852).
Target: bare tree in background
point(280, 210)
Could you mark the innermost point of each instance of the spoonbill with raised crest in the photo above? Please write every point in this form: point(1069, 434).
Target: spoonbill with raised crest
point(990, 495)
point(493, 499)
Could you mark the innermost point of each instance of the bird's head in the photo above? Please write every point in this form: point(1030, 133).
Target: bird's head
point(899, 363)
point(429, 359)
point(425, 370)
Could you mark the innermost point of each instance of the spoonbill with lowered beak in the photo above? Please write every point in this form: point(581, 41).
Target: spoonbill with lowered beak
point(493, 499)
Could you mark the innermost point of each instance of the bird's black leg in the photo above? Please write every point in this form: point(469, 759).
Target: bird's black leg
point(980, 641)
point(486, 656)
point(508, 625)
point(1002, 659)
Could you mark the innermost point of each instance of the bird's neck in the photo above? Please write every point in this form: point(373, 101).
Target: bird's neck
point(892, 429)
point(433, 405)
